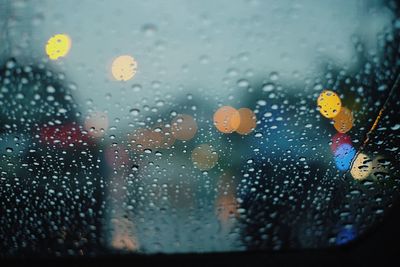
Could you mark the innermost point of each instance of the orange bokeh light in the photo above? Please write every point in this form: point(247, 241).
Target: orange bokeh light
point(204, 157)
point(343, 122)
point(183, 127)
point(247, 121)
point(143, 139)
point(123, 237)
point(227, 119)
point(167, 137)
point(227, 207)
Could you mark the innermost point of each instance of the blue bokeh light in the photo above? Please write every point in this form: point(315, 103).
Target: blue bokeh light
point(344, 155)
point(345, 236)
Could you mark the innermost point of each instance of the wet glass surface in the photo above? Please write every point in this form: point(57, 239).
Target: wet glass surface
point(183, 126)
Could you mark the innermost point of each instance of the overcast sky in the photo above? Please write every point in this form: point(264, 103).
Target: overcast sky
point(195, 44)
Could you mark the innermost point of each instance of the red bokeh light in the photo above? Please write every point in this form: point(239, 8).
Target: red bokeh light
point(63, 135)
point(338, 140)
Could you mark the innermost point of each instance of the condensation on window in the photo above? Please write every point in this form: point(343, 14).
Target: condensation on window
point(195, 126)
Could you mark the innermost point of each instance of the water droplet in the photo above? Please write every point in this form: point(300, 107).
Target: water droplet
point(135, 167)
point(149, 29)
point(243, 83)
point(268, 87)
point(134, 112)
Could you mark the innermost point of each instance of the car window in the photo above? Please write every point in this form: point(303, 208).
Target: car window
point(195, 126)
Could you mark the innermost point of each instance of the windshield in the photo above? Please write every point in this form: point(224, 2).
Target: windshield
point(195, 126)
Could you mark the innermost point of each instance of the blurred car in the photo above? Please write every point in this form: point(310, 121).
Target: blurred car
point(52, 188)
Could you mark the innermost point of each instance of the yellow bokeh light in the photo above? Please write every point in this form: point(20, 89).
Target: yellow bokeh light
point(362, 167)
point(96, 123)
point(343, 122)
point(247, 121)
point(204, 157)
point(227, 119)
point(329, 104)
point(58, 46)
point(183, 127)
point(124, 68)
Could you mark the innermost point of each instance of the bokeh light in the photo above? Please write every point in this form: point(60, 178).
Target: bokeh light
point(380, 168)
point(66, 135)
point(58, 46)
point(167, 138)
point(247, 121)
point(145, 139)
point(343, 122)
point(125, 242)
point(117, 156)
point(329, 104)
point(345, 235)
point(124, 68)
point(344, 155)
point(96, 123)
point(226, 204)
point(226, 208)
point(362, 167)
point(123, 237)
point(227, 119)
point(338, 140)
point(183, 127)
point(204, 157)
